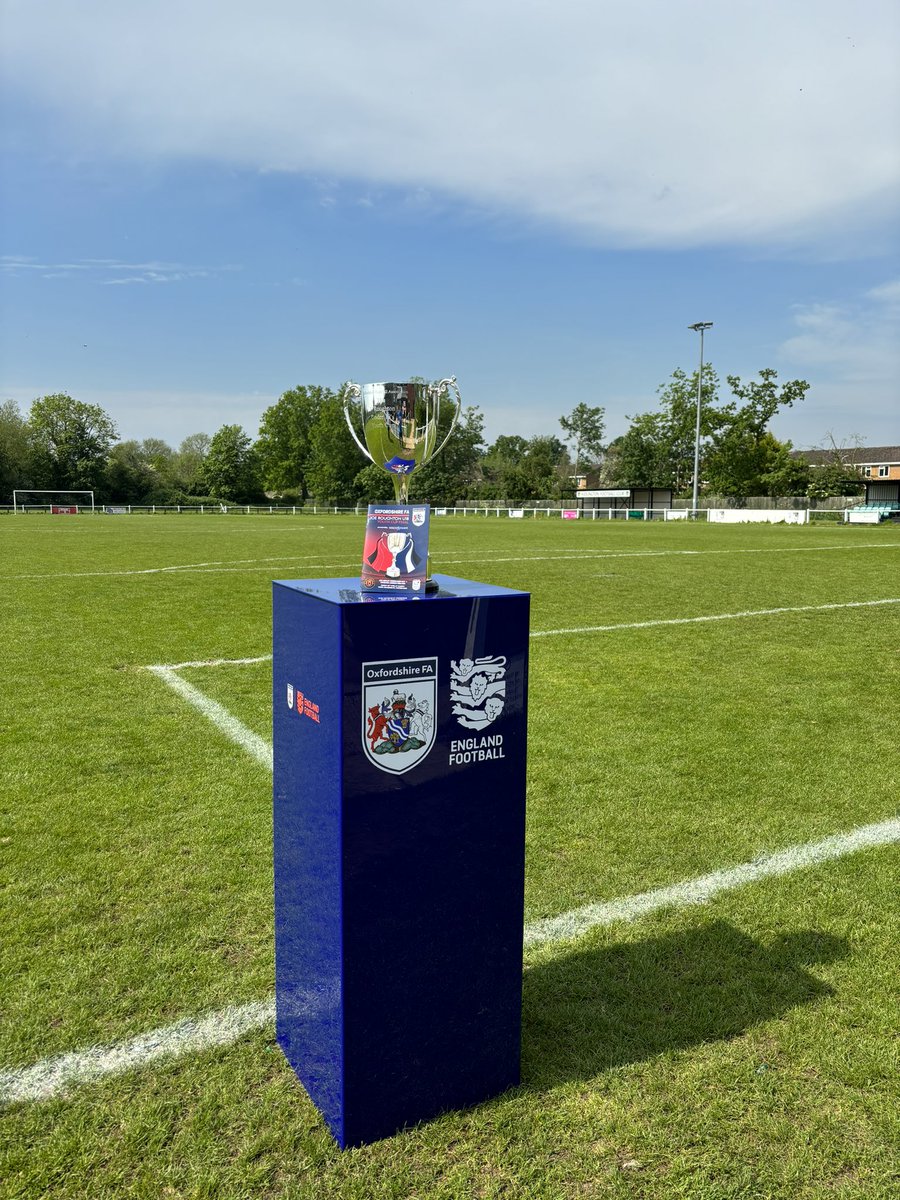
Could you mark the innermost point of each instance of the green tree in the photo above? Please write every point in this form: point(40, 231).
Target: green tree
point(70, 442)
point(739, 457)
point(546, 467)
point(584, 431)
point(187, 468)
point(503, 474)
point(517, 469)
point(644, 457)
point(14, 451)
point(285, 438)
point(783, 474)
point(743, 450)
point(679, 401)
point(128, 477)
point(833, 479)
point(373, 485)
point(658, 448)
point(334, 458)
point(230, 469)
point(141, 472)
point(159, 456)
point(837, 475)
point(452, 474)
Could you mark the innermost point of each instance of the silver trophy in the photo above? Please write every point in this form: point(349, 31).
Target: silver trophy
point(400, 424)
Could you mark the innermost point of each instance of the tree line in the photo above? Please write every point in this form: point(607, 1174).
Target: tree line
point(304, 451)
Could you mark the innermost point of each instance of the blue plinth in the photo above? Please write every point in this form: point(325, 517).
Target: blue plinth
point(399, 733)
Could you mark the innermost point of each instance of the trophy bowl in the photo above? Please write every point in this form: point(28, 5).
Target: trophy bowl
point(399, 425)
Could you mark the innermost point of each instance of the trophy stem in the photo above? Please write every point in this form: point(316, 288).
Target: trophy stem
point(401, 488)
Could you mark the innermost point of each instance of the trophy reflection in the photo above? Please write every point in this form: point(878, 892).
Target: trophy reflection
point(401, 426)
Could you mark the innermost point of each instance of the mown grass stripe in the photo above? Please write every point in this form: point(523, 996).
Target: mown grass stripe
point(54, 1076)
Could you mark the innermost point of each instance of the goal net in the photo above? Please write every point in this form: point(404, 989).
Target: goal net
point(51, 500)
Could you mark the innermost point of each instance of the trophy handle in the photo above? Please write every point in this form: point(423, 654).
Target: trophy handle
point(353, 392)
point(438, 389)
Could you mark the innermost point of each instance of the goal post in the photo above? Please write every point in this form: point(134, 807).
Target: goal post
point(20, 505)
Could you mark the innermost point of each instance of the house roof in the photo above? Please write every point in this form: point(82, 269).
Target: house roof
point(862, 456)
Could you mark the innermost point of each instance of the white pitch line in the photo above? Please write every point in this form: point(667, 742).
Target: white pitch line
point(255, 746)
point(210, 662)
point(261, 750)
point(191, 1036)
point(700, 891)
point(584, 556)
point(54, 1076)
point(201, 567)
point(227, 566)
point(735, 616)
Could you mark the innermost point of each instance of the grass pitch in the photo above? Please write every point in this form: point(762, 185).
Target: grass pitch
point(742, 1048)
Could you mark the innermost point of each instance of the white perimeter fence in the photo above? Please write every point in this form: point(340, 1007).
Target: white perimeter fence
point(791, 516)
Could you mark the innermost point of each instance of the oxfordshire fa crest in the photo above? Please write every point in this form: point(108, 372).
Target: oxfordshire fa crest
point(399, 700)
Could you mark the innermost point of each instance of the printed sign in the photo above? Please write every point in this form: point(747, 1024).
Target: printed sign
point(570, 514)
point(305, 705)
point(395, 553)
point(399, 700)
point(478, 692)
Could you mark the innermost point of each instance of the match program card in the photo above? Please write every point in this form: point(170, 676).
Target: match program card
point(395, 554)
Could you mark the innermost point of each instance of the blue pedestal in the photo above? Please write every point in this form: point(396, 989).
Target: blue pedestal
point(399, 787)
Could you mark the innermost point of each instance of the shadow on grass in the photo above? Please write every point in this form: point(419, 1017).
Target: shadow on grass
point(602, 1008)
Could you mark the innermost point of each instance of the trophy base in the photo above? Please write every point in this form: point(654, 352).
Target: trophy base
point(431, 586)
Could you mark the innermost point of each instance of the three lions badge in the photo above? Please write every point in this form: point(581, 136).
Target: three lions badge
point(478, 690)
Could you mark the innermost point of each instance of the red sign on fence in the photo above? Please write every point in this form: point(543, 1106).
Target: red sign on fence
point(67, 509)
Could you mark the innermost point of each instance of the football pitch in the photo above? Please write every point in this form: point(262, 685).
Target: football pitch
point(710, 988)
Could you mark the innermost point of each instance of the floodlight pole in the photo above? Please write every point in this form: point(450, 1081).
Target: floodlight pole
point(702, 326)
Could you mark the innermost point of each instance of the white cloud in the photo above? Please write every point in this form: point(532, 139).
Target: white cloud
point(887, 294)
point(850, 353)
point(107, 270)
point(644, 124)
point(857, 342)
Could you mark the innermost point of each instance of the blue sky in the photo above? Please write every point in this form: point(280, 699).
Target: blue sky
point(204, 204)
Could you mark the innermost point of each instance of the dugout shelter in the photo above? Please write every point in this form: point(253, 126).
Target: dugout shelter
point(882, 491)
point(883, 495)
point(645, 502)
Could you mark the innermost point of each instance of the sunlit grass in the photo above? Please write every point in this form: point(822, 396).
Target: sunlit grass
point(740, 1049)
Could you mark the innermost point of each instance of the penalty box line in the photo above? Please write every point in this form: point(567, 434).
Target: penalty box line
point(55, 1076)
point(258, 748)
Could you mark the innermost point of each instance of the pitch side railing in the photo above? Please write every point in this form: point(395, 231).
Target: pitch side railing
point(474, 511)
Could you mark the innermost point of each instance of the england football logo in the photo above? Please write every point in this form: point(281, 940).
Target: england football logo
point(399, 700)
point(478, 690)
